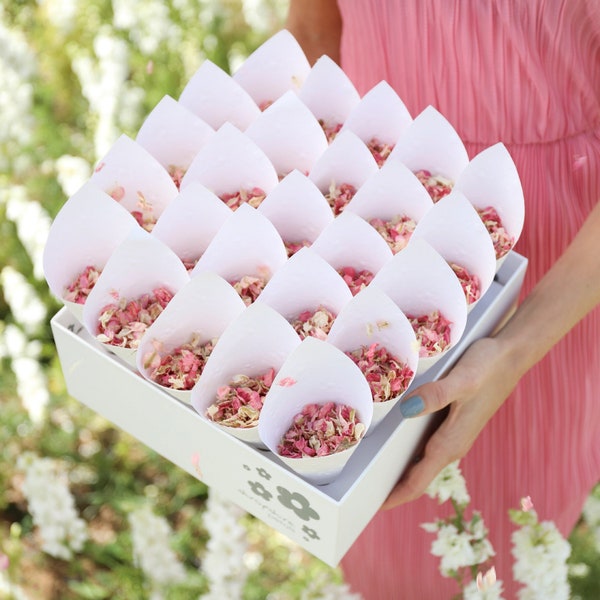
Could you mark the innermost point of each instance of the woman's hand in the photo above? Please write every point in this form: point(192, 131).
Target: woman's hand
point(474, 390)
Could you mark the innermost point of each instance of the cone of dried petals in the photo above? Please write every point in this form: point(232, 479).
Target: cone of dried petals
point(379, 150)
point(502, 240)
point(239, 403)
point(387, 375)
point(79, 289)
point(469, 282)
point(339, 196)
point(436, 185)
point(433, 332)
point(180, 368)
point(293, 247)
point(123, 323)
point(321, 430)
point(253, 197)
point(249, 288)
point(395, 231)
point(356, 280)
point(315, 323)
point(330, 129)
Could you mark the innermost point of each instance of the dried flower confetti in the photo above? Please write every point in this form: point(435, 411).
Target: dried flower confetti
point(292, 247)
point(125, 322)
point(79, 289)
point(181, 368)
point(356, 280)
point(379, 150)
point(314, 323)
point(387, 375)
point(339, 196)
point(436, 185)
point(469, 282)
point(252, 197)
point(189, 263)
point(396, 231)
point(432, 331)
point(249, 287)
point(330, 129)
point(239, 403)
point(320, 430)
point(176, 173)
point(502, 240)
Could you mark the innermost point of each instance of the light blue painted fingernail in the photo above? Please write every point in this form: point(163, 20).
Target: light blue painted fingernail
point(411, 407)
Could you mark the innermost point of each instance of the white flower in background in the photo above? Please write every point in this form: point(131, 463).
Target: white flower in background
point(264, 16)
point(454, 548)
point(223, 563)
point(148, 23)
point(32, 223)
point(22, 299)
point(31, 387)
point(72, 172)
point(10, 590)
point(61, 13)
point(322, 588)
point(472, 592)
point(17, 65)
point(52, 506)
point(540, 554)
point(151, 536)
point(449, 484)
point(591, 515)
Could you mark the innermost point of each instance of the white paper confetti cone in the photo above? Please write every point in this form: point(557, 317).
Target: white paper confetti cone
point(216, 98)
point(138, 266)
point(420, 281)
point(254, 343)
point(491, 180)
point(315, 372)
point(85, 233)
point(371, 317)
point(202, 309)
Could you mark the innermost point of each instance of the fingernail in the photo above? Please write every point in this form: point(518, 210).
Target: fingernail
point(413, 406)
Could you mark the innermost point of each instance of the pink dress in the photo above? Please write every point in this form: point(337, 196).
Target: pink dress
point(526, 73)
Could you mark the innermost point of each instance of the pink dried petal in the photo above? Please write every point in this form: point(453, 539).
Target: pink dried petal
point(320, 430)
point(249, 288)
point(124, 323)
point(469, 283)
point(330, 129)
point(253, 197)
point(181, 368)
point(379, 150)
point(433, 332)
point(264, 105)
point(356, 280)
point(287, 382)
point(387, 375)
point(79, 289)
point(176, 174)
point(118, 193)
point(437, 186)
point(397, 231)
point(339, 196)
point(502, 240)
point(293, 247)
point(314, 323)
point(239, 403)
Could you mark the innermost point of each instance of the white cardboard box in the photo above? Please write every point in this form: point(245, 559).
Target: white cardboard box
point(325, 520)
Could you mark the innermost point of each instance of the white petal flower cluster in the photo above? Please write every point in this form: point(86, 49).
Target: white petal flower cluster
point(52, 506)
point(147, 22)
point(224, 564)
point(540, 554)
point(72, 172)
point(449, 484)
point(31, 380)
point(17, 65)
point(151, 537)
point(591, 515)
point(321, 588)
point(32, 223)
point(61, 13)
point(24, 303)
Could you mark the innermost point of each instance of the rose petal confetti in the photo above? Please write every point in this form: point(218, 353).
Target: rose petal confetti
point(396, 231)
point(356, 280)
point(330, 129)
point(79, 289)
point(379, 150)
point(387, 375)
point(176, 174)
point(189, 263)
point(293, 247)
point(436, 185)
point(314, 323)
point(235, 199)
point(249, 288)
point(339, 196)
point(125, 322)
point(320, 430)
point(503, 241)
point(181, 368)
point(470, 283)
point(432, 331)
point(239, 403)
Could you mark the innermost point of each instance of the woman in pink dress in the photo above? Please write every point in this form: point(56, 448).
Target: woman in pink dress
point(525, 404)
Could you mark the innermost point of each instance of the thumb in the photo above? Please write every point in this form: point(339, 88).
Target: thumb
point(433, 396)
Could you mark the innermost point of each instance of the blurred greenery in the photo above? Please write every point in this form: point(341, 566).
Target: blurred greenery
point(110, 472)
